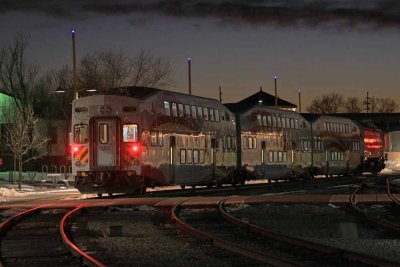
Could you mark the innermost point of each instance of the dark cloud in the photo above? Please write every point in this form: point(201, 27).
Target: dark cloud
point(348, 13)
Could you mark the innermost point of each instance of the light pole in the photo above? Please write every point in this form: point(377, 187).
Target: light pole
point(74, 65)
point(190, 76)
point(276, 92)
point(299, 101)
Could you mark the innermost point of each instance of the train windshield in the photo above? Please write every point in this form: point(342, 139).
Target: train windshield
point(80, 133)
point(130, 132)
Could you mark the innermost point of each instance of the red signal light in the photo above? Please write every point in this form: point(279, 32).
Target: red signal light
point(135, 148)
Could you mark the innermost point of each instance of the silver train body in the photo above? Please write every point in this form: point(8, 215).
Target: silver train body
point(151, 137)
point(148, 137)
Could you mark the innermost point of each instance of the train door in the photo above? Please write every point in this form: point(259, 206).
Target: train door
point(106, 142)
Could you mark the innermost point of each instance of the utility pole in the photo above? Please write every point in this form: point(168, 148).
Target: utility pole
point(367, 103)
point(190, 76)
point(299, 101)
point(220, 95)
point(276, 93)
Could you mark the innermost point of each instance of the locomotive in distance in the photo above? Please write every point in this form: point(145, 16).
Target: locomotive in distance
point(147, 137)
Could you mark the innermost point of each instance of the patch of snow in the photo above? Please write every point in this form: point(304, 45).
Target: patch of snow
point(391, 167)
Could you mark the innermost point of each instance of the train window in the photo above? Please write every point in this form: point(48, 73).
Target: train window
point(153, 138)
point(193, 112)
point(199, 113)
point(167, 108)
point(275, 156)
point(217, 118)
point(296, 125)
point(283, 122)
point(103, 133)
point(264, 120)
point(270, 156)
point(250, 142)
point(278, 122)
point(195, 156)
point(145, 138)
point(183, 156)
point(211, 114)
point(189, 154)
point(254, 142)
point(180, 110)
point(130, 132)
point(160, 138)
point(227, 117)
point(284, 154)
point(187, 111)
point(269, 121)
point(80, 133)
point(201, 156)
point(174, 109)
point(273, 121)
point(245, 145)
point(292, 123)
point(259, 120)
point(280, 157)
point(287, 122)
point(205, 114)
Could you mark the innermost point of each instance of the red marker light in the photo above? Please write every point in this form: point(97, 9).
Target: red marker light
point(75, 149)
point(135, 148)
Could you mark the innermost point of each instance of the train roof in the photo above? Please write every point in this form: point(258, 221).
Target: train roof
point(268, 100)
point(314, 117)
point(145, 92)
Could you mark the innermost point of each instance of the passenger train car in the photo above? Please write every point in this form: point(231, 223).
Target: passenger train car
point(150, 137)
point(144, 137)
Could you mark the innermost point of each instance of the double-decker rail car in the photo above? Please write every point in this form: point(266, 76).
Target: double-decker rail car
point(273, 143)
point(337, 146)
point(150, 137)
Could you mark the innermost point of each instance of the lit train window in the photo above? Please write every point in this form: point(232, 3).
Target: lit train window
point(264, 120)
point(80, 133)
point(217, 118)
point(275, 155)
point(187, 111)
point(167, 108)
point(183, 156)
point(211, 114)
point(296, 125)
point(201, 156)
point(174, 110)
point(259, 121)
point(250, 142)
point(189, 154)
point(254, 142)
point(284, 156)
point(205, 114)
point(283, 122)
point(153, 138)
point(103, 133)
point(280, 157)
point(292, 123)
point(130, 132)
point(269, 121)
point(160, 138)
point(180, 110)
point(273, 121)
point(193, 112)
point(195, 156)
point(199, 113)
point(270, 156)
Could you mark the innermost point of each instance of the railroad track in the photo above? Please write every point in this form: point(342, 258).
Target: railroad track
point(36, 237)
point(380, 218)
point(217, 227)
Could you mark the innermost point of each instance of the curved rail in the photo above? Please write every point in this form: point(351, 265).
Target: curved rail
point(4, 226)
point(389, 193)
point(394, 228)
point(65, 221)
point(352, 256)
point(237, 249)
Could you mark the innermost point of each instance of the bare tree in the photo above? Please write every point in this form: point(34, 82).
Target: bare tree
point(110, 69)
point(352, 105)
point(380, 105)
point(22, 137)
point(326, 104)
point(17, 78)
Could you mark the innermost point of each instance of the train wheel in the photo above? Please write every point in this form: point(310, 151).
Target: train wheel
point(99, 195)
point(183, 186)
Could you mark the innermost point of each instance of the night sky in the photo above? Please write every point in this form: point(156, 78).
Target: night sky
point(343, 46)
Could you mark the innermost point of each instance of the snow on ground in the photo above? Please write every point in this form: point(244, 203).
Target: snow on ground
point(391, 167)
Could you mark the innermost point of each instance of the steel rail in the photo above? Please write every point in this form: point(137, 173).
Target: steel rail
point(226, 245)
point(394, 228)
point(352, 256)
point(390, 194)
point(75, 250)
